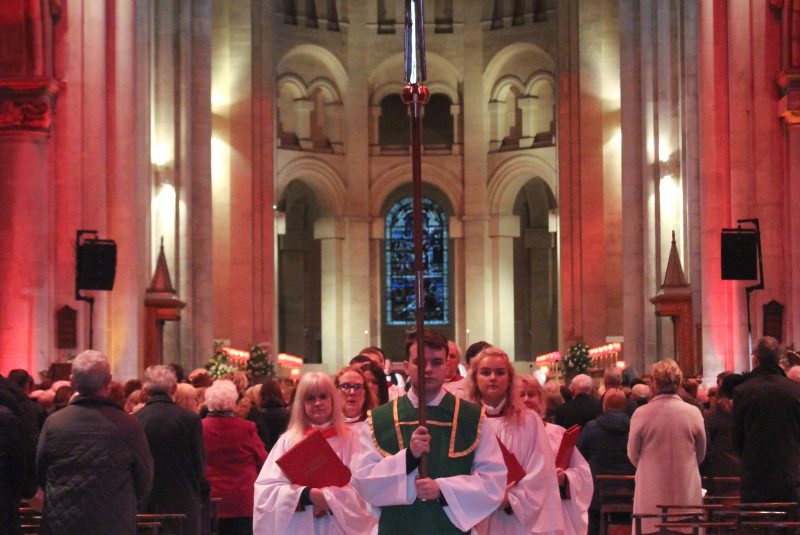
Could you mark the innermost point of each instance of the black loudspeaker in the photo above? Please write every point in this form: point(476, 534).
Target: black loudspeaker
point(97, 265)
point(739, 254)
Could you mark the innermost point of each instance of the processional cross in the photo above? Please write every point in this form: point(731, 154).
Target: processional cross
point(415, 95)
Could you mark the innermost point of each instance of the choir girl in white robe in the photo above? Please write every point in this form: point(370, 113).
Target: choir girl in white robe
point(532, 505)
point(575, 483)
point(329, 510)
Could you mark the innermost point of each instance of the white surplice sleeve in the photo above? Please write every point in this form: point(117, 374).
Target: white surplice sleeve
point(581, 487)
point(579, 475)
point(350, 514)
point(276, 498)
point(381, 480)
point(473, 497)
point(535, 500)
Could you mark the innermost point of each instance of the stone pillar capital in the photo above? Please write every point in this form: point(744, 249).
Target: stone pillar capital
point(377, 228)
point(303, 105)
point(528, 102)
point(504, 226)
point(326, 228)
point(26, 106)
point(496, 106)
point(456, 227)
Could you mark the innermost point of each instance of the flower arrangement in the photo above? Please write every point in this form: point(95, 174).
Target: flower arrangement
point(577, 359)
point(260, 363)
point(219, 366)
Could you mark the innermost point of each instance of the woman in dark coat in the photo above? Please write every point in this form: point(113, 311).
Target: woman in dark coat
point(721, 458)
point(604, 444)
point(271, 416)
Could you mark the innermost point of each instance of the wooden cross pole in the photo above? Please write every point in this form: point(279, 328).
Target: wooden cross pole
point(415, 95)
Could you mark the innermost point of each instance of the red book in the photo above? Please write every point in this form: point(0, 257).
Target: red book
point(515, 470)
point(313, 463)
point(568, 442)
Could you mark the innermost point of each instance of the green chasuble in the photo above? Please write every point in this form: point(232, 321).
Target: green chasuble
point(454, 427)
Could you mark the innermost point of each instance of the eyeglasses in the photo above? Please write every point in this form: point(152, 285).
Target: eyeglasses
point(351, 387)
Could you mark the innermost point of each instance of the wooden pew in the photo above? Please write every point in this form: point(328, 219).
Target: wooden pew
point(615, 496)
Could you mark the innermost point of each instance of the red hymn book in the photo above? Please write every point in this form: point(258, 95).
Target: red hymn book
point(313, 463)
point(568, 442)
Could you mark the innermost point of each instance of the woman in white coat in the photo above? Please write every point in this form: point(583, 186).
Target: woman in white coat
point(666, 444)
point(283, 507)
point(532, 504)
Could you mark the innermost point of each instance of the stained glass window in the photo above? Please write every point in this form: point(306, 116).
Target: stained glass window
point(400, 298)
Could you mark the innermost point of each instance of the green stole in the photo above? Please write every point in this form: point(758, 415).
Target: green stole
point(454, 427)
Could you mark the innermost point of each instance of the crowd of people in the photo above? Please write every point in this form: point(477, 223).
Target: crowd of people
point(92, 453)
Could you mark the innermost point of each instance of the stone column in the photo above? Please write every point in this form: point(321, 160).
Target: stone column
point(478, 305)
point(529, 106)
point(792, 178)
point(198, 145)
point(264, 220)
point(543, 114)
point(502, 231)
point(790, 114)
point(635, 291)
point(376, 252)
point(356, 262)
point(331, 233)
point(458, 297)
point(26, 209)
point(302, 117)
point(497, 114)
point(458, 135)
point(127, 189)
point(722, 333)
point(375, 128)
point(333, 125)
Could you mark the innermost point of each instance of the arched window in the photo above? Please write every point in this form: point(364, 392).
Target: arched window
point(437, 126)
point(394, 129)
point(399, 252)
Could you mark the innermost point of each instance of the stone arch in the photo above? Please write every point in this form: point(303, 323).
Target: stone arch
point(327, 87)
point(326, 60)
point(504, 85)
point(386, 73)
point(444, 89)
point(294, 84)
point(394, 177)
point(509, 178)
point(389, 88)
point(517, 57)
point(538, 79)
point(324, 181)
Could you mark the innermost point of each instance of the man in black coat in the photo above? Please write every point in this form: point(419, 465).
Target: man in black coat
point(175, 436)
point(582, 408)
point(766, 429)
point(11, 471)
point(92, 460)
point(19, 431)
